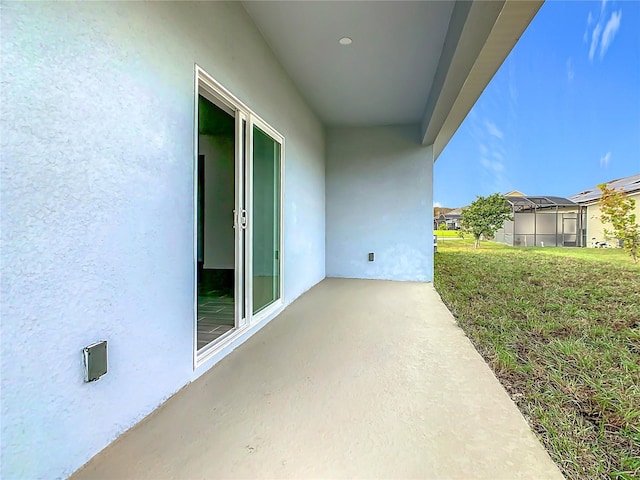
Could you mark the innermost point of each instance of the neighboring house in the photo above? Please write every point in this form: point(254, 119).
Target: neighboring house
point(542, 221)
point(437, 211)
point(155, 154)
point(515, 193)
point(450, 219)
point(589, 199)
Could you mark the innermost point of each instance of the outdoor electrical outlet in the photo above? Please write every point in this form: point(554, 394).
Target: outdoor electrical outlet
point(95, 361)
point(371, 256)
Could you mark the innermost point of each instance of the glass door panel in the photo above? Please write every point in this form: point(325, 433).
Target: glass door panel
point(216, 250)
point(265, 219)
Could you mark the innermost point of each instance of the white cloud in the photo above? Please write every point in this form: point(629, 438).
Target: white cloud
point(595, 38)
point(570, 71)
point(437, 205)
point(483, 149)
point(610, 31)
point(496, 172)
point(585, 37)
point(498, 155)
point(492, 129)
point(605, 159)
point(603, 31)
point(493, 166)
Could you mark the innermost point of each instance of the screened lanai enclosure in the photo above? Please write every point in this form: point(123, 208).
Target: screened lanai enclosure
point(544, 222)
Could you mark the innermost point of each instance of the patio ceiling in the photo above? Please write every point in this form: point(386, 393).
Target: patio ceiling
point(410, 62)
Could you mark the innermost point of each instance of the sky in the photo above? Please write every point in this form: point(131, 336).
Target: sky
point(561, 115)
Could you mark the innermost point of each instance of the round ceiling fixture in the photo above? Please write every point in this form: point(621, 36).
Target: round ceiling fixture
point(345, 41)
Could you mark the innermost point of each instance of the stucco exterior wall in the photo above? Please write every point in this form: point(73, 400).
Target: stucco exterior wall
point(379, 199)
point(97, 209)
point(595, 228)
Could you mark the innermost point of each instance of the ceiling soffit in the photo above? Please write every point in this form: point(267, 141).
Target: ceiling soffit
point(383, 77)
point(410, 62)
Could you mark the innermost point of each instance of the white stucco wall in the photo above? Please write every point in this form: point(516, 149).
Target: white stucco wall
point(379, 199)
point(97, 209)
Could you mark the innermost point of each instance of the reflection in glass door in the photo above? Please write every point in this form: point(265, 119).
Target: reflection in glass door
point(265, 219)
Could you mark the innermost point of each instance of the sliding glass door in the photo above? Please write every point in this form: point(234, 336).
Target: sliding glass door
point(238, 218)
point(265, 219)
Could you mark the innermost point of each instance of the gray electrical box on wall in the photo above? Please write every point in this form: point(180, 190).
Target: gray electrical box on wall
point(372, 256)
point(95, 360)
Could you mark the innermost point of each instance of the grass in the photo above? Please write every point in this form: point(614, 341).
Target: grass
point(447, 233)
point(560, 327)
point(608, 255)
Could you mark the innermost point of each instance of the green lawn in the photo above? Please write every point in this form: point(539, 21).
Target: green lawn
point(446, 233)
point(560, 327)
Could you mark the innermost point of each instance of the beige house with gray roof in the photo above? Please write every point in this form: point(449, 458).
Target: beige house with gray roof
point(590, 199)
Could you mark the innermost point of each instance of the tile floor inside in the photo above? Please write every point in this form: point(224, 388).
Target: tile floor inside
point(215, 316)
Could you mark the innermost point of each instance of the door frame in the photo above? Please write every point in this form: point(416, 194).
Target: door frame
point(244, 319)
point(564, 234)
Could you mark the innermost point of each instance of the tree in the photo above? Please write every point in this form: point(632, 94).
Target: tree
point(618, 210)
point(485, 216)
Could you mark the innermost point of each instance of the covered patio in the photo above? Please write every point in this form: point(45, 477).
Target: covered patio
point(357, 378)
point(169, 232)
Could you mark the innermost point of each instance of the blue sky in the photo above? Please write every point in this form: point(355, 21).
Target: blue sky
point(561, 115)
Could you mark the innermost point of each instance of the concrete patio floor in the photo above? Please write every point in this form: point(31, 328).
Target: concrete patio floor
point(357, 378)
